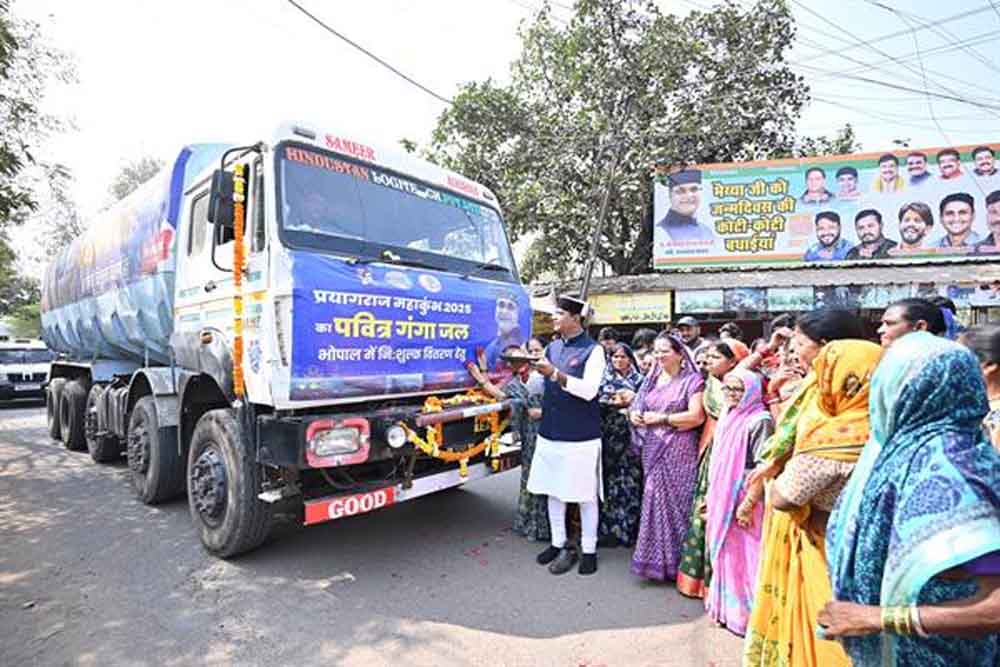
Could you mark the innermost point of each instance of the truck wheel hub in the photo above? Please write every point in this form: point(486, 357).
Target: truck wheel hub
point(90, 425)
point(138, 451)
point(208, 485)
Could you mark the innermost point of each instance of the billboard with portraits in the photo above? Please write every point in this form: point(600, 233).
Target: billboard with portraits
point(908, 205)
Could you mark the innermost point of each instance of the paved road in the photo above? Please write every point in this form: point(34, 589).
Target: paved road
point(90, 576)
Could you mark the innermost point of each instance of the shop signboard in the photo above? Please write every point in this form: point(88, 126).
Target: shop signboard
point(874, 297)
point(782, 299)
point(700, 301)
point(745, 299)
point(980, 295)
point(630, 308)
point(903, 206)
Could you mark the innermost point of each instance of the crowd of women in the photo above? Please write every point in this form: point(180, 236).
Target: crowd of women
point(834, 500)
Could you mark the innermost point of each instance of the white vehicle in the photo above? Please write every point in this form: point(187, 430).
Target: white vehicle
point(24, 368)
point(288, 321)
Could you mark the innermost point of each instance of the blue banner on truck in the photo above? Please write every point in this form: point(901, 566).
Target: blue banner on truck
point(375, 330)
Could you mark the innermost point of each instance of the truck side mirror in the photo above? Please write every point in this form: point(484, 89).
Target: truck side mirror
point(220, 199)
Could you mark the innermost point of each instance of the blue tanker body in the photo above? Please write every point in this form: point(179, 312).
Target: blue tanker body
point(110, 294)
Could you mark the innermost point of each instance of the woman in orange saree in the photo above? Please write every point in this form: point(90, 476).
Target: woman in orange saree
point(819, 439)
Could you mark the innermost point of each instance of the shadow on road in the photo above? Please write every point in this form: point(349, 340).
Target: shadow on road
point(22, 403)
point(78, 544)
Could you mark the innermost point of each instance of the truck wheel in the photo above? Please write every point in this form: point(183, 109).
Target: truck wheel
point(102, 448)
point(156, 468)
point(52, 396)
point(223, 484)
point(71, 409)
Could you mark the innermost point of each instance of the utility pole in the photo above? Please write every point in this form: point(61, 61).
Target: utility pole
point(619, 145)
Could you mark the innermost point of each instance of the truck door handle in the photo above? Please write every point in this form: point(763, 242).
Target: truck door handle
point(210, 286)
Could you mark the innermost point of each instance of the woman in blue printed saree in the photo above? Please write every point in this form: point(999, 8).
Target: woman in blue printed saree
point(915, 536)
point(621, 467)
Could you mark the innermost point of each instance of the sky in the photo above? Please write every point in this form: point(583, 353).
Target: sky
point(154, 76)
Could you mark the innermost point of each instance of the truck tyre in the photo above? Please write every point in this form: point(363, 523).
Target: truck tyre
point(71, 415)
point(224, 481)
point(155, 467)
point(52, 396)
point(102, 448)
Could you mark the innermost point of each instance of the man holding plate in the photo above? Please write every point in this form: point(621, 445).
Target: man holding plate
point(567, 459)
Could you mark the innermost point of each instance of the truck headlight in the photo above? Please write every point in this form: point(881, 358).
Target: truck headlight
point(395, 435)
point(335, 441)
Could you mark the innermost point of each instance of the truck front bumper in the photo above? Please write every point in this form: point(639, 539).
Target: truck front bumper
point(283, 441)
point(330, 508)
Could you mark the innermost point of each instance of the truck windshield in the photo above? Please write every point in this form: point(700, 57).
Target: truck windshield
point(25, 356)
point(331, 202)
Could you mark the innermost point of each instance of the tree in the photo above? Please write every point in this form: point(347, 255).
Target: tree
point(26, 321)
point(621, 85)
point(16, 290)
point(133, 174)
point(56, 220)
point(28, 66)
point(841, 143)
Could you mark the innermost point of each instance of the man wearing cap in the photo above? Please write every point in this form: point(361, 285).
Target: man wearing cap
point(566, 463)
point(689, 330)
point(679, 224)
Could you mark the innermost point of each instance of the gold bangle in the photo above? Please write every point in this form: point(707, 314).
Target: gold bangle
point(918, 627)
point(897, 620)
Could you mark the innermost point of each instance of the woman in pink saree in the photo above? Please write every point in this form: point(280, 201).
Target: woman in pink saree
point(734, 521)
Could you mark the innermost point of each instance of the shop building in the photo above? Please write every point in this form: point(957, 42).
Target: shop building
point(752, 297)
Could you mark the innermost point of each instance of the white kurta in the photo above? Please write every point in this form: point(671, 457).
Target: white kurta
point(571, 471)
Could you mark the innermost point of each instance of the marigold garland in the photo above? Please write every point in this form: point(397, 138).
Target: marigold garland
point(431, 443)
point(239, 216)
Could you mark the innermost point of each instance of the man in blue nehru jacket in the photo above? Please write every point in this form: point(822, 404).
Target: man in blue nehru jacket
point(566, 463)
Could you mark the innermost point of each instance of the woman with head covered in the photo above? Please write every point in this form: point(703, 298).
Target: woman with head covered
point(734, 516)
point(665, 417)
point(817, 441)
point(922, 502)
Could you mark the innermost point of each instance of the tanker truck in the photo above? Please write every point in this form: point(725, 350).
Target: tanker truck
point(283, 328)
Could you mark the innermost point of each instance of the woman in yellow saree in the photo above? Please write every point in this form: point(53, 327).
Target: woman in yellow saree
point(818, 440)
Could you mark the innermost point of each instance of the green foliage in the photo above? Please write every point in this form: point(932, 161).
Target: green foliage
point(133, 174)
point(28, 65)
point(15, 290)
point(622, 84)
point(841, 143)
point(26, 321)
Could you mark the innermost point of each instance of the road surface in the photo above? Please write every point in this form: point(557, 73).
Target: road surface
point(90, 576)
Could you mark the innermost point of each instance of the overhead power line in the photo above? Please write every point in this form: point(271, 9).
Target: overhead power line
point(948, 90)
point(879, 117)
point(930, 104)
point(908, 89)
point(368, 53)
point(899, 33)
point(941, 31)
point(913, 55)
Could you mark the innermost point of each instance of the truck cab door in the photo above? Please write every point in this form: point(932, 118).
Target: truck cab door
point(259, 354)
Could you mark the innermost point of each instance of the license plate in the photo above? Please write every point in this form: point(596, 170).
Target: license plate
point(33, 386)
point(337, 508)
